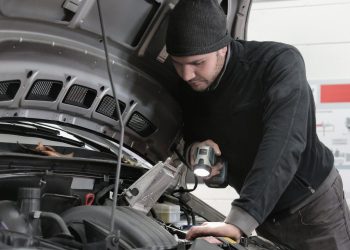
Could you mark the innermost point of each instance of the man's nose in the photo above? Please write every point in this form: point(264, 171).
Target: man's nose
point(187, 73)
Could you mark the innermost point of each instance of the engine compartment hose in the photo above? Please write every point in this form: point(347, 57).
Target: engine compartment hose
point(55, 217)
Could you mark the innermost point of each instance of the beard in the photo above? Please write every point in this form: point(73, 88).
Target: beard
point(219, 65)
point(201, 84)
point(218, 69)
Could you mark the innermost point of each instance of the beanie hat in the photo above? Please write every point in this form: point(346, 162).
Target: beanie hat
point(196, 27)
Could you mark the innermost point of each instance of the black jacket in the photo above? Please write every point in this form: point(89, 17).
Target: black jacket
point(262, 116)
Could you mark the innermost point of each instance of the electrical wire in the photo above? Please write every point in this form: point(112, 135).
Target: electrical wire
point(181, 189)
point(116, 186)
point(121, 124)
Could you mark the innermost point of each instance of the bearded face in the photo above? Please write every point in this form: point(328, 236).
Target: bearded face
point(200, 71)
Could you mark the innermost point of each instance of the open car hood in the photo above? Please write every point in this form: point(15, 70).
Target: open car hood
point(53, 67)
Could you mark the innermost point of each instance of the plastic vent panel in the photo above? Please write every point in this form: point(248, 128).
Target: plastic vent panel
point(8, 89)
point(141, 125)
point(80, 96)
point(108, 108)
point(45, 90)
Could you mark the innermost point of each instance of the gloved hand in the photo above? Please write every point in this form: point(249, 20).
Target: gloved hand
point(192, 151)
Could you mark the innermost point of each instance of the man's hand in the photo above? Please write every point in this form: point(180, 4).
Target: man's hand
point(215, 170)
point(218, 229)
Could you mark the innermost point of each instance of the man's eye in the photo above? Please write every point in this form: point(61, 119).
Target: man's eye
point(198, 63)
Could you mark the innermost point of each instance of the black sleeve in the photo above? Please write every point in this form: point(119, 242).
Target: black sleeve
point(285, 110)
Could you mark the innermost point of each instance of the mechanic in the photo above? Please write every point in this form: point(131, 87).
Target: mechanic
point(252, 103)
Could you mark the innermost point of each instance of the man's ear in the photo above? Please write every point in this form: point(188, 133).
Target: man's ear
point(222, 51)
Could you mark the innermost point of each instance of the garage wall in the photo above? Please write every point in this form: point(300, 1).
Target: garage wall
point(318, 28)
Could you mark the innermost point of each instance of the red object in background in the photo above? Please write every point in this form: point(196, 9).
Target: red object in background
point(89, 199)
point(335, 93)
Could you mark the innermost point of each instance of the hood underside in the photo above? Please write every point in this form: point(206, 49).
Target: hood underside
point(53, 68)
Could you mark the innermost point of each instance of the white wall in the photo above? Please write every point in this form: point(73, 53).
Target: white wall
point(320, 29)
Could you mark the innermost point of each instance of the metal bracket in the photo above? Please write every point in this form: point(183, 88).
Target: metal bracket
point(145, 192)
point(72, 5)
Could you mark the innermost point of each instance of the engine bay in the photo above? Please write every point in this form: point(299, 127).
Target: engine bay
point(66, 204)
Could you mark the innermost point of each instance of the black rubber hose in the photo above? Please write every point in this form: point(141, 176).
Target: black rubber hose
point(55, 217)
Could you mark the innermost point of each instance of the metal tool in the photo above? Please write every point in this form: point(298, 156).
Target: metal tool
point(145, 192)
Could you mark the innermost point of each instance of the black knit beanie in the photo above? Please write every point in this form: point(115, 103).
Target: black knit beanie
point(196, 27)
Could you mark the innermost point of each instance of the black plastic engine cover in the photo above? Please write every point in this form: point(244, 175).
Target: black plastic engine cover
point(136, 229)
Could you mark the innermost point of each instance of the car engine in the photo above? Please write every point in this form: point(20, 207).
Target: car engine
point(45, 208)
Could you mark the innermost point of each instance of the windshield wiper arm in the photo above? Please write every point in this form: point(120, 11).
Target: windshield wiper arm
point(45, 133)
point(86, 140)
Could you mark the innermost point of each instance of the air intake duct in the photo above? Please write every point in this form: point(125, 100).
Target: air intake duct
point(80, 96)
point(44, 90)
point(108, 108)
point(141, 125)
point(8, 89)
